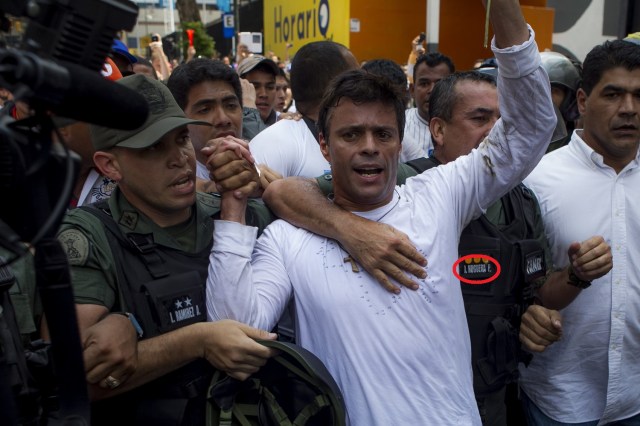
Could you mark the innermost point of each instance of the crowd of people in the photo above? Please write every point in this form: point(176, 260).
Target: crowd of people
point(333, 200)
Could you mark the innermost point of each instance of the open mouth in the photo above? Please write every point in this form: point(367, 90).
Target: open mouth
point(183, 182)
point(368, 172)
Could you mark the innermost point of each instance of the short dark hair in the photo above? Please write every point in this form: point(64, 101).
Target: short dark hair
point(387, 68)
point(187, 75)
point(444, 95)
point(281, 73)
point(610, 54)
point(312, 68)
point(433, 59)
point(391, 70)
point(361, 87)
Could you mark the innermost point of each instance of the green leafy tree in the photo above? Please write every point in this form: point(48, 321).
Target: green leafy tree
point(203, 42)
point(188, 11)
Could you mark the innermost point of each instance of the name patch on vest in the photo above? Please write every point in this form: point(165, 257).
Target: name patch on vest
point(183, 309)
point(534, 266)
point(178, 300)
point(476, 270)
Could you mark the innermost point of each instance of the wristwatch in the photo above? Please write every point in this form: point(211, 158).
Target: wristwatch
point(134, 322)
point(575, 281)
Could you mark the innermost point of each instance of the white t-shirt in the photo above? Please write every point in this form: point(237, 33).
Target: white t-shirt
point(593, 372)
point(417, 137)
point(289, 148)
point(398, 359)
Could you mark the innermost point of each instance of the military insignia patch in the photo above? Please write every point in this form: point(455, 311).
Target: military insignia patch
point(76, 245)
point(129, 219)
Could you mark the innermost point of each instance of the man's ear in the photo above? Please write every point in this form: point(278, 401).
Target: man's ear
point(437, 126)
point(581, 98)
point(324, 147)
point(411, 90)
point(108, 165)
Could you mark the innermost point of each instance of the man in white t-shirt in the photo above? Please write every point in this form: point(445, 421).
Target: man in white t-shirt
point(396, 357)
point(290, 147)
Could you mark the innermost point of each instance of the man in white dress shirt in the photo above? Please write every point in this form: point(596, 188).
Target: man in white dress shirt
point(590, 186)
point(398, 358)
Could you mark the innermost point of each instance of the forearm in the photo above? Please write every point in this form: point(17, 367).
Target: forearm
point(158, 356)
point(252, 290)
point(520, 137)
point(233, 209)
point(230, 293)
point(300, 202)
point(557, 293)
point(508, 24)
point(380, 249)
point(159, 61)
point(523, 86)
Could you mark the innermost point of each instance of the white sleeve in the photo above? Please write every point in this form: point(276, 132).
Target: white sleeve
point(253, 291)
point(515, 144)
point(521, 136)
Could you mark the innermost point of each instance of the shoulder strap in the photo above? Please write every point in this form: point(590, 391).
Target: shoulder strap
point(116, 241)
point(144, 243)
point(101, 210)
point(529, 208)
point(312, 127)
point(423, 163)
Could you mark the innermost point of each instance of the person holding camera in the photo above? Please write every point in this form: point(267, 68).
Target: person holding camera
point(417, 50)
point(159, 58)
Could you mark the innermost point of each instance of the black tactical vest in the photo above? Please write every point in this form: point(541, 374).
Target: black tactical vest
point(165, 289)
point(494, 310)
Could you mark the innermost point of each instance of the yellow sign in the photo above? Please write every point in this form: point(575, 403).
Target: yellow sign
point(298, 22)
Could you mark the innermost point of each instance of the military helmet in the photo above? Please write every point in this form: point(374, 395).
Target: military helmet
point(292, 388)
point(565, 73)
point(561, 70)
